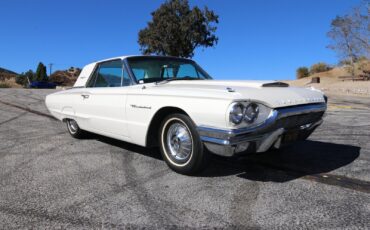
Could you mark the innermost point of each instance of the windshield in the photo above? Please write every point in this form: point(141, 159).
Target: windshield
point(153, 69)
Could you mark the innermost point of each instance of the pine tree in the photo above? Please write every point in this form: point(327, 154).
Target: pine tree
point(41, 72)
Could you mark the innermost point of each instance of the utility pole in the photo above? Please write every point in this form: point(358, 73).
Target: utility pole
point(50, 67)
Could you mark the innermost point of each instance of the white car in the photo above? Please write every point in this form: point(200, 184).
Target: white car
point(174, 104)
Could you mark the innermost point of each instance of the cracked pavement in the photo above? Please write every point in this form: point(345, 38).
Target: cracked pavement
point(50, 180)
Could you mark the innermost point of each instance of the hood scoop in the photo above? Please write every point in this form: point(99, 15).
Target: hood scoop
point(275, 84)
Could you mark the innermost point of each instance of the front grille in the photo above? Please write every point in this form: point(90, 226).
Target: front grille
point(296, 121)
point(290, 123)
point(287, 118)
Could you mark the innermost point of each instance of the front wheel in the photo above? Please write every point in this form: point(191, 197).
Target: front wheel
point(181, 146)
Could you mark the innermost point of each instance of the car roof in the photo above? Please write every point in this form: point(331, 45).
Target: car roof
point(128, 56)
point(89, 68)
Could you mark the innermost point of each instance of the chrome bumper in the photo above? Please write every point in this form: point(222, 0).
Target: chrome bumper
point(302, 120)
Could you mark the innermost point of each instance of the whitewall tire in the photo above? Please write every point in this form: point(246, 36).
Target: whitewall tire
point(180, 145)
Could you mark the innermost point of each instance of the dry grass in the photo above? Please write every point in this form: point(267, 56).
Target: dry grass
point(10, 82)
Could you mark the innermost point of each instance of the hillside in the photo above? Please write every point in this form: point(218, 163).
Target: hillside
point(65, 77)
point(7, 78)
point(60, 77)
point(331, 83)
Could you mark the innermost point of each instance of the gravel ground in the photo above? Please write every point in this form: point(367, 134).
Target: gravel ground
point(50, 180)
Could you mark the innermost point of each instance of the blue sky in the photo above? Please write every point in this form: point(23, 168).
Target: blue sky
point(260, 39)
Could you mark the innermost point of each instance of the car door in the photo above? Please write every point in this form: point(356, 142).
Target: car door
point(103, 100)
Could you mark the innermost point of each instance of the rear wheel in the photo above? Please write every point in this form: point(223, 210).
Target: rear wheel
point(181, 146)
point(74, 129)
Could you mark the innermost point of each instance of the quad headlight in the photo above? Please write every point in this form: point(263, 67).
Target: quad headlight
point(249, 113)
point(237, 113)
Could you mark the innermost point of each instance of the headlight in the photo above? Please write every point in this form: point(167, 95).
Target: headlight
point(252, 113)
point(236, 113)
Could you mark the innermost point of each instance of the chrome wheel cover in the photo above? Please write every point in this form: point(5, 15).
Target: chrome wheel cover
point(72, 126)
point(179, 142)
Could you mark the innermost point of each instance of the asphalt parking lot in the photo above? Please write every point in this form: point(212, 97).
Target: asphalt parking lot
point(50, 180)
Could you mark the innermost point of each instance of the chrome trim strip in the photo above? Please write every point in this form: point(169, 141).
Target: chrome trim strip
point(230, 142)
point(215, 140)
point(291, 111)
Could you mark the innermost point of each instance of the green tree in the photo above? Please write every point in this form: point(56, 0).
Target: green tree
point(302, 72)
point(21, 79)
point(30, 75)
point(177, 30)
point(319, 67)
point(25, 78)
point(41, 73)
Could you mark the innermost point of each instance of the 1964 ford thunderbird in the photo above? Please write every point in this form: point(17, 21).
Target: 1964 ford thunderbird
point(174, 104)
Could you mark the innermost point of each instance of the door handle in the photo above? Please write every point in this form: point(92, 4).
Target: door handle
point(85, 96)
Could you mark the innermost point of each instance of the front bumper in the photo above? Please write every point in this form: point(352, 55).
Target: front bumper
point(283, 124)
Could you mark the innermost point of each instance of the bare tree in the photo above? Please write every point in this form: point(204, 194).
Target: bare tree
point(350, 35)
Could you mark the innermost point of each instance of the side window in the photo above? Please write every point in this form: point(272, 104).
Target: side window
point(108, 74)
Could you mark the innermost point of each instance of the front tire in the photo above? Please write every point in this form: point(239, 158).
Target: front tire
point(74, 129)
point(180, 145)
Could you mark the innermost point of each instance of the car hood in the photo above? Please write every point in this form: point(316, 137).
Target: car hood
point(274, 95)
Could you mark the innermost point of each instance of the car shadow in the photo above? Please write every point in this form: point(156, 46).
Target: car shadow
point(289, 163)
point(149, 152)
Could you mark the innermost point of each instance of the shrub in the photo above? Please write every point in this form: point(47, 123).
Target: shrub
point(344, 62)
point(302, 72)
point(21, 79)
point(319, 67)
point(4, 85)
